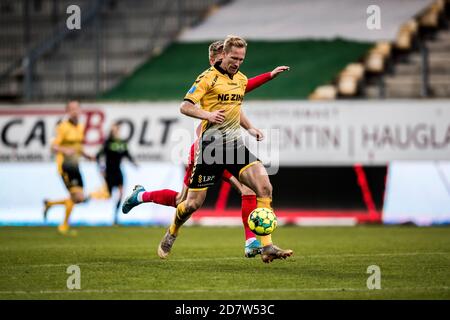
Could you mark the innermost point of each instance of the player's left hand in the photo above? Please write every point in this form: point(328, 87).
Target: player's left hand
point(278, 70)
point(254, 132)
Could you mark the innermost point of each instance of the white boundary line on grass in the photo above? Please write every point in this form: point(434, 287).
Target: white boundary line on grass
point(306, 290)
point(344, 255)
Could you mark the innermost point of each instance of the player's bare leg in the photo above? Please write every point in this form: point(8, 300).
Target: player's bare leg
point(50, 203)
point(252, 245)
point(182, 195)
point(101, 194)
point(118, 203)
point(194, 201)
point(257, 179)
point(76, 196)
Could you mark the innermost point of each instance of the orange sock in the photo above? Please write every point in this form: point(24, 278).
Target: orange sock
point(265, 203)
point(100, 194)
point(69, 206)
point(53, 203)
point(181, 216)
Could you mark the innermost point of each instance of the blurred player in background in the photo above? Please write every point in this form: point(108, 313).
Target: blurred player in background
point(172, 198)
point(113, 150)
point(224, 118)
point(68, 145)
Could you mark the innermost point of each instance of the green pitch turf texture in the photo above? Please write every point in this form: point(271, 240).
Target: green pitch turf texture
point(208, 263)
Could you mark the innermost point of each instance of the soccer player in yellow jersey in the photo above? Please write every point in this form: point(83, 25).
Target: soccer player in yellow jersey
point(68, 145)
point(220, 90)
point(173, 198)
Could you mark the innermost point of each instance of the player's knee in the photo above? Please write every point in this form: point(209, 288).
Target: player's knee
point(178, 198)
point(192, 205)
point(265, 190)
point(77, 197)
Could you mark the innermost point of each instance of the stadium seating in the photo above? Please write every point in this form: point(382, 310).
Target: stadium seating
point(422, 58)
point(394, 69)
point(431, 16)
point(168, 76)
point(350, 78)
point(405, 35)
point(325, 92)
point(133, 34)
point(120, 37)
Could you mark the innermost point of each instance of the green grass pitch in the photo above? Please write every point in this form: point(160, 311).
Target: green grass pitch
point(208, 263)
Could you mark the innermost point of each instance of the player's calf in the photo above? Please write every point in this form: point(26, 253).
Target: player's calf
point(46, 208)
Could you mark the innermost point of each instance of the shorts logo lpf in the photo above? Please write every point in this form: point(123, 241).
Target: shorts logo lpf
point(205, 178)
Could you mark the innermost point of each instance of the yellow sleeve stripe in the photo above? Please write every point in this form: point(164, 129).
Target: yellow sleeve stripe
point(246, 167)
point(197, 189)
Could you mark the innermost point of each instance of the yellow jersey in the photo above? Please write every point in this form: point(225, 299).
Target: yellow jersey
point(215, 89)
point(69, 135)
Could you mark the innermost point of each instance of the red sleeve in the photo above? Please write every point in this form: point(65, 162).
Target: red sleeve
point(190, 166)
point(255, 82)
point(226, 176)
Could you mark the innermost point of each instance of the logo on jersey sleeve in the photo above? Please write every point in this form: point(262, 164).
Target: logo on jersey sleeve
point(192, 89)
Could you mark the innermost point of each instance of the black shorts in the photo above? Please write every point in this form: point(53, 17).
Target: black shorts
point(211, 161)
point(113, 179)
point(72, 177)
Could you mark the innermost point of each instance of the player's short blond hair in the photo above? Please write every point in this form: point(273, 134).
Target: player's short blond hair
point(233, 41)
point(215, 49)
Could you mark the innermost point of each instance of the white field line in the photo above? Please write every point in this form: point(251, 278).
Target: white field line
point(349, 255)
point(299, 290)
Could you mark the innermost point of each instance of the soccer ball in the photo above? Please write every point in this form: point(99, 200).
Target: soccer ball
point(262, 221)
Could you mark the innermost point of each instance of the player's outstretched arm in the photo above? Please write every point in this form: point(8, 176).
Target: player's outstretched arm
point(275, 72)
point(259, 80)
point(131, 158)
point(247, 125)
point(189, 109)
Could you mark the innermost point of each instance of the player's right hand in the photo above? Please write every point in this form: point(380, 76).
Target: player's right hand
point(278, 70)
point(217, 117)
point(255, 132)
